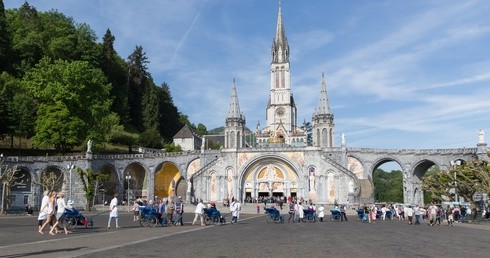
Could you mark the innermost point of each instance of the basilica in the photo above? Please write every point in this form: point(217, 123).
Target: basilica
point(279, 162)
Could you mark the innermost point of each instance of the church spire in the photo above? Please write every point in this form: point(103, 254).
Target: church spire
point(323, 125)
point(280, 46)
point(323, 105)
point(235, 123)
point(234, 109)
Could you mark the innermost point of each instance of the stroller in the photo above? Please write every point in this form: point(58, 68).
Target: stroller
point(336, 216)
point(273, 215)
point(213, 216)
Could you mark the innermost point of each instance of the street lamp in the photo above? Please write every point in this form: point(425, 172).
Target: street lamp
point(70, 167)
point(128, 177)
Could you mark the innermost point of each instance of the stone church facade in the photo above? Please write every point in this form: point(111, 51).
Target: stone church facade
point(279, 162)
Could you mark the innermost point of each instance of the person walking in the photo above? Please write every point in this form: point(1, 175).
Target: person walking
point(449, 216)
point(321, 213)
point(169, 210)
point(301, 212)
point(136, 211)
point(410, 214)
point(235, 208)
point(343, 215)
point(292, 212)
point(199, 213)
point(49, 210)
point(43, 215)
point(113, 212)
point(179, 211)
point(59, 214)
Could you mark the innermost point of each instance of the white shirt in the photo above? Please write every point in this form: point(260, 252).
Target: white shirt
point(113, 208)
point(200, 208)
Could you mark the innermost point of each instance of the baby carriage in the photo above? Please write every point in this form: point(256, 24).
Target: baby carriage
point(361, 215)
point(309, 215)
point(336, 216)
point(213, 216)
point(272, 214)
point(73, 217)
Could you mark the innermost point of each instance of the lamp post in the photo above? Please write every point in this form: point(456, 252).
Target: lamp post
point(70, 168)
point(128, 177)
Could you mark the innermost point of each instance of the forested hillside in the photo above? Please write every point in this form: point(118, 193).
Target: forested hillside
point(60, 86)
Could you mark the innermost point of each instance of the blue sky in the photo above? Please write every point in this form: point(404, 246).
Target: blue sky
point(400, 74)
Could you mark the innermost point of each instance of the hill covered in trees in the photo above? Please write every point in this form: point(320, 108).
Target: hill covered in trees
point(59, 87)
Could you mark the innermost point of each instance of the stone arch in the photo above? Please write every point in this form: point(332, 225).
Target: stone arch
point(192, 167)
point(21, 192)
point(59, 181)
point(169, 181)
point(377, 163)
point(106, 189)
point(418, 171)
point(356, 166)
point(251, 181)
point(137, 185)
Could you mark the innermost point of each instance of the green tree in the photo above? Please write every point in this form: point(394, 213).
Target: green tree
point(115, 69)
point(5, 41)
point(89, 178)
point(138, 77)
point(27, 39)
point(73, 98)
point(388, 186)
point(171, 147)
point(151, 111)
point(151, 138)
point(169, 117)
point(201, 129)
point(469, 178)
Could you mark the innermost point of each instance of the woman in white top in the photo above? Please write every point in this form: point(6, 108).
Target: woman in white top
point(59, 213)
point(49, 211)
point(113, 212)
point(42, 210)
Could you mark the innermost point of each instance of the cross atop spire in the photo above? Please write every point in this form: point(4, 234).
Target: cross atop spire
point(323, 105)
point(234, 109)
point(280, 46)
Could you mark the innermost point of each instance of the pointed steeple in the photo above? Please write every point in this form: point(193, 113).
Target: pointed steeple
point(234, 109)
point(323, 105)
point(235, 123)
point(323, 125)
point(280, 46)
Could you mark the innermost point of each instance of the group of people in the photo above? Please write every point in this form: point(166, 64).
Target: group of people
point(417, 214)
point(172, 211)
point(299, 211)
point(51, 212)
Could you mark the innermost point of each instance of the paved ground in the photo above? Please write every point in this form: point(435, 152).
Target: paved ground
point(251, 237)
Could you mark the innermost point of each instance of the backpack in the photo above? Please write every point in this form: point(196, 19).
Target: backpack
point(162, 208)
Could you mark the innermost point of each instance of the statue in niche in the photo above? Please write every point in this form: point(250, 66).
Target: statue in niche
point(351, 186)
point(311, 179)
point(229, 181)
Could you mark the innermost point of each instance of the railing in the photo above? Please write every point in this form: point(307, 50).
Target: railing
point(205, 167)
